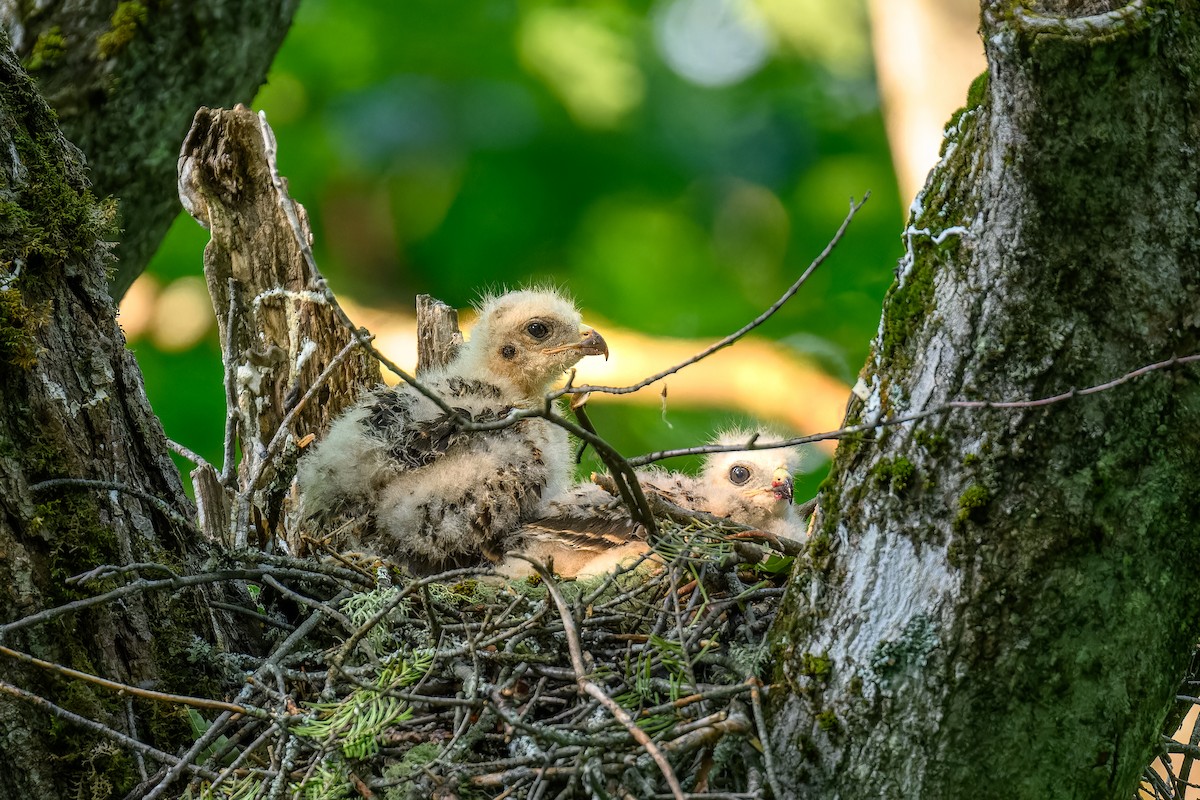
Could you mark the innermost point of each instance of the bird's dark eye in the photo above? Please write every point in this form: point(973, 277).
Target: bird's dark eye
point(739, 474)
point(538, 330)
point(509, 352)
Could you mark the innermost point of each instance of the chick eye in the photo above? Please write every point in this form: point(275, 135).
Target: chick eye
point(538, 330)
point(739, 474)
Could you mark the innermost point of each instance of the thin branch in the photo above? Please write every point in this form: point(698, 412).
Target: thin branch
point(96, 727)
point(146, 586)
point(233, 413)
point(179, 699)
point(89, 483)
point(282, 432)
point(189, 454)
point(738, 334)
point(943, 408)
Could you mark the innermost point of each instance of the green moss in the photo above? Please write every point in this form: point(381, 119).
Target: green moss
point(48, 50)
point(19, 325)
point(972, 502)
point(827, 721)
point(816, 667)
point(894, 474)
point(126, 19)
point(933, 442)
point(971, 460)
point(856, 686)
point(906, 306)
point(977, 92)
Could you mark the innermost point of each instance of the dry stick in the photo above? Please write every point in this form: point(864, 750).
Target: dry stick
point(240, 759)
point(145, 586)
point(194, 702)
point(335, 666)
point(315, 605)
point(1185, 769)
point(761, 723)
point(96, 727)
point(281, 433)
point(588, 687)
point(189, 454)
point(232, 413)
point(738, 334)
point(916, 416)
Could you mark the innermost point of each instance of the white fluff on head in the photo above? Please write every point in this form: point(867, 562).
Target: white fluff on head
point(756, 500)
point(499, 322)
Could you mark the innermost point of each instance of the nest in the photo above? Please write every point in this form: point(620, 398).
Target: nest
point(644, 683)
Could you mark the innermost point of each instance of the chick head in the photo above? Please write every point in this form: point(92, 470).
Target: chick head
point(752, 486)
point(529, 338)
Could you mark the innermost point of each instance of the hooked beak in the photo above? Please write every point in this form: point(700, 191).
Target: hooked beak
point(593, 344)
point(590, 343)
point(781, 484)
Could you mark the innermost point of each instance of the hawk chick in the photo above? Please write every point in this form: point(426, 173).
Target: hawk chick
point(439, 496)
point(587, 531)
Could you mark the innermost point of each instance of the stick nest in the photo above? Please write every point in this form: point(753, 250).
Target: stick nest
point(463, 686)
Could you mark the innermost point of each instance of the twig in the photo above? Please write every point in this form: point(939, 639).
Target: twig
point(760, 722)
point(96, 727)
point(282, 432)
point(943, 408)
point(588, 687)
point(233, 413)
point(187, 453)
point(740, 332)
point(179, 699)
point(112, 486)
point(146, 586)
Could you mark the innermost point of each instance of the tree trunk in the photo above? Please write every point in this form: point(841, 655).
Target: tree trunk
point(125, 78)
point(72, 406)
point(1000, 603)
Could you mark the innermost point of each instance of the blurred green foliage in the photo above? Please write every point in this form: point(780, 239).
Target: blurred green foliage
point(452, 147)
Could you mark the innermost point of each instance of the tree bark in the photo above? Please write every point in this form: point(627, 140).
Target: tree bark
point(1000, 603)
point(72, 406)
point(125, 78)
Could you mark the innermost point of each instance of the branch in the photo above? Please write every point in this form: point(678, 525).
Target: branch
point(943, 408)
point(738, 334)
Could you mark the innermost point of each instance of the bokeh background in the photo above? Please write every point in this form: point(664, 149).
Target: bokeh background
point(675, 165)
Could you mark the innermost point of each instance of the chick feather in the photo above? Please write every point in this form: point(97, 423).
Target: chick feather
point(433, 495)
point(588, 531)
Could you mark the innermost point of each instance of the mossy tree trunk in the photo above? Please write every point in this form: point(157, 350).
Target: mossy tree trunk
point(72, 406)
point(126, 76)
point(1001, 603)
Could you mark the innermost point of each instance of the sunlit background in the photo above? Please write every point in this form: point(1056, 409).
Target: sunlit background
point(675, 165)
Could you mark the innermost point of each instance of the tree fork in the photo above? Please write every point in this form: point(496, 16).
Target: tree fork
point(1012, 618)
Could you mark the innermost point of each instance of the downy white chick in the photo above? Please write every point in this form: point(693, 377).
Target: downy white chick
point(588, 531)
point(437, 496)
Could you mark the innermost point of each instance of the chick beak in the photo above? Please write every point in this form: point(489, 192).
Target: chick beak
point(593, 344)
point(590, 343)
point(781, 484)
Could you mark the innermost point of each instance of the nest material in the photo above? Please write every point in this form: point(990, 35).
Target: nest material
point(463, 686)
